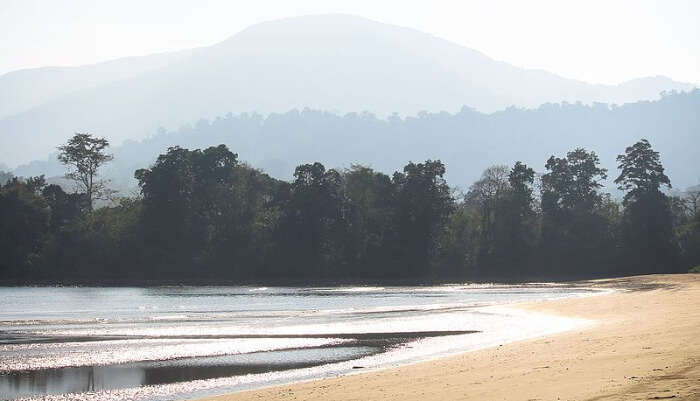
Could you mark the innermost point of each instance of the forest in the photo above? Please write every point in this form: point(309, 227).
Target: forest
point(466, 142)
point(204, 216)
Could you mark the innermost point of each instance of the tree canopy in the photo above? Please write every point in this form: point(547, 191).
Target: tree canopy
point(203, 216)
point(85, 154)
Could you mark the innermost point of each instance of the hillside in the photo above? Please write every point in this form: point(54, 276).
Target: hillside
point(467, 141)
point(331, 62)
point(26, 89)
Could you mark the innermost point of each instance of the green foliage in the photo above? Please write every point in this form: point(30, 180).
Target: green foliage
point(65, 208)
point(695, 269)
point(459, 245)
point(24, 224)
point(204, 209)
point(203, 216)
point(85, 154)
point(573, 182)
point(369, 209)
point(314, 221)
point(423, 205)
point(577, 236)
point(641, 171)
point(647, 224)
point(688, 234)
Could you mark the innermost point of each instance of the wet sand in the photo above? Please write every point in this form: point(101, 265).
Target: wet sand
point(644, 344)
point(90, 378)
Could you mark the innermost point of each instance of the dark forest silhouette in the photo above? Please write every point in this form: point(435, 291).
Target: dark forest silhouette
point(203, 216)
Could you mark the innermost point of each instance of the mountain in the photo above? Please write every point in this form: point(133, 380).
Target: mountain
point(331, 62)
point(25, 89)
point(467, 141)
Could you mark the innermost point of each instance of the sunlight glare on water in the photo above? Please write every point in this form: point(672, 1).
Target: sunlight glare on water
point(178, 342)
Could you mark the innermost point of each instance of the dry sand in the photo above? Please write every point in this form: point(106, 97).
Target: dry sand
point(644, 345)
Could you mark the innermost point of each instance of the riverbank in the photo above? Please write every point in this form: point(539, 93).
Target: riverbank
point(643, 345)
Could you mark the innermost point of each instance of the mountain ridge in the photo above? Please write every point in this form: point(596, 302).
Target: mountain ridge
point(331, 62)
point(467, 141)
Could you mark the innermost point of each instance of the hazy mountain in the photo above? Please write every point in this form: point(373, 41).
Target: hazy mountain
point(25, 89)
point(467, 141)
point(330, 62)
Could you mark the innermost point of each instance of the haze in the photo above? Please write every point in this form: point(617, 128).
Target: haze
point(595, 41)
point(349, 200)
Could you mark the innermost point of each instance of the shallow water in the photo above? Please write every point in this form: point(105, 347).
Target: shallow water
point(179, 342)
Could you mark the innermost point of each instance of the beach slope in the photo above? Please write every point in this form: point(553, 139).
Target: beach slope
point(644, 345)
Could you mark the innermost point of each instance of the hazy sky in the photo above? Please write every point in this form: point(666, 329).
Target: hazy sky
point(597, 41)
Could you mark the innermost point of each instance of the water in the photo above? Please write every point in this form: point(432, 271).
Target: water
point(183, 342)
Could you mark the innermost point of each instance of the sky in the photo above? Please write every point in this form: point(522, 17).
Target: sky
point(595, 41)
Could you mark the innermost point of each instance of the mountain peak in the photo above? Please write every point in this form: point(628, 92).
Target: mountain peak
point(335, 62)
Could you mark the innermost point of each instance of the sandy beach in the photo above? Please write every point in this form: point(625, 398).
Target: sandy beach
point(644, 344)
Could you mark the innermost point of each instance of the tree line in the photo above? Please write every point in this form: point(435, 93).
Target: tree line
point(203, 216)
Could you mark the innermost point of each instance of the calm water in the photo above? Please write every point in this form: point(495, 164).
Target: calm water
point(180, 342)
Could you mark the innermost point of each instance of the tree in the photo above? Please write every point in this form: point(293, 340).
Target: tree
point(205, 210)
point(24, 223)
point(520, 224)
point(176, 213)
point(502, 199)
point(647, 227)
point(574, 225)
point(488, 196)
point(459, 247)
point(689, 241)
point(85, 154)
point(36, 184)
point(65, 208)
point(488, 193)
point(370, 214)
point(641, 172)
point(314, 223)
point(521, 178)
point(573, 181)
point(692, 200)
point(423, 204)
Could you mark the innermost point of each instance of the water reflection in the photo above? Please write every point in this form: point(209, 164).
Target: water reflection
point(67, 380)
point(94, 378)
point(61, 340)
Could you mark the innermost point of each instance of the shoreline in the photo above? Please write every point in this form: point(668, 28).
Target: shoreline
point(563, 280)
point(466, 320)
point(624, 352)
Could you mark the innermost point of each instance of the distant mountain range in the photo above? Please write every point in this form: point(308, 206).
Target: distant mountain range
point(338, 63)
point(26, 89)
point(467, 141)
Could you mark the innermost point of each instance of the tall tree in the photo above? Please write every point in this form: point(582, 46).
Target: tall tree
point(641, 171)
point(488, 193)
point(520, 224)
point(423, 204)
point(574, 181)
point(503, 200)
point(647, 230)
point(573, 228)
point(488, 196)
point(85, 154)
